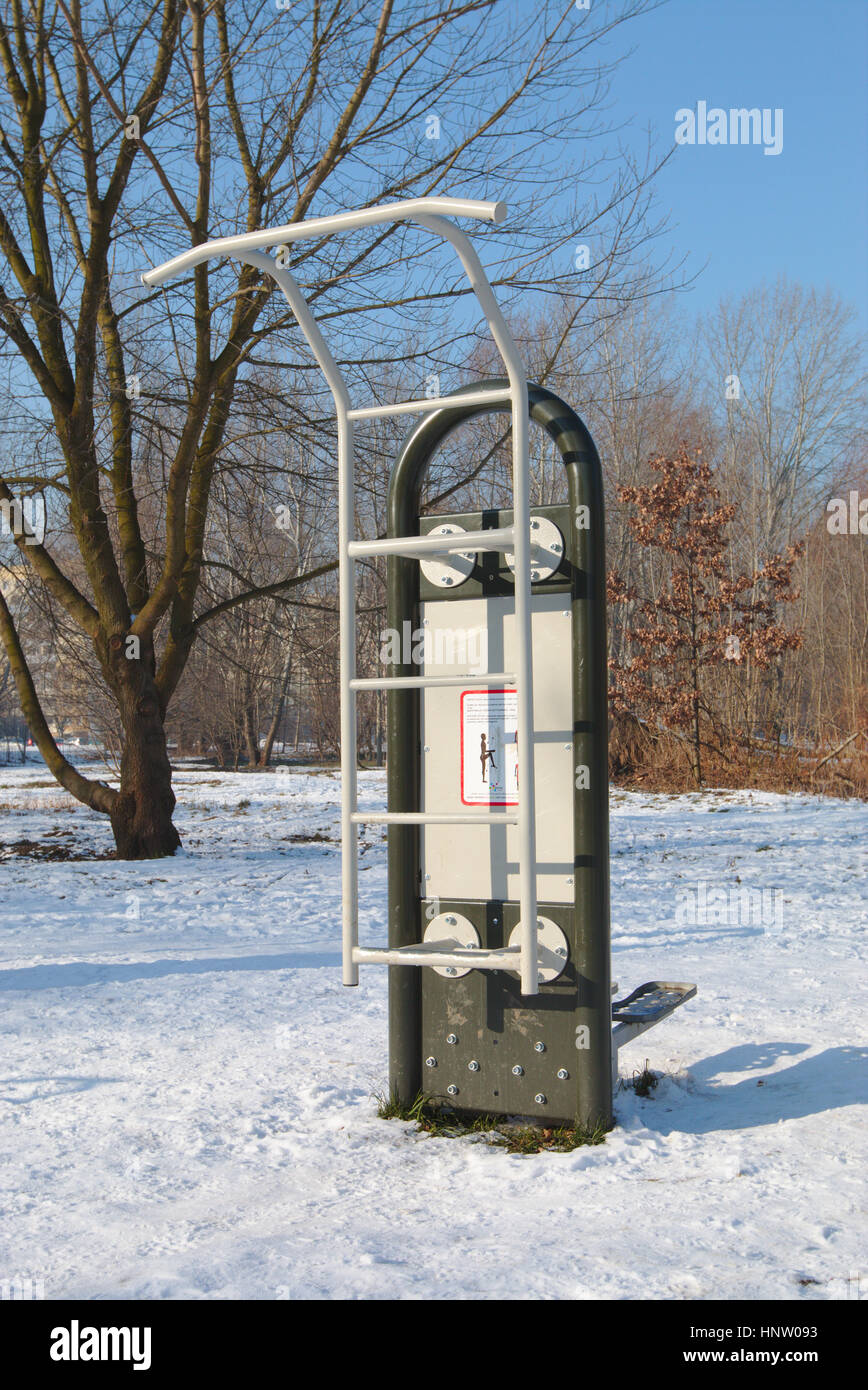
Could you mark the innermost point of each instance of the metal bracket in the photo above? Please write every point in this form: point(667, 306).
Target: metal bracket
point(553, 950)
point(449, 573)
point(546, 549)
point(454, 932)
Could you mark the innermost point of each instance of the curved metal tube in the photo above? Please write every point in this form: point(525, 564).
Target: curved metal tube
point(429, 213)
point(408, 210)
point(590, 736)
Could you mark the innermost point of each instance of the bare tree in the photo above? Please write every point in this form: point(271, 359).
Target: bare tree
point(787, 380)
point(128, 131)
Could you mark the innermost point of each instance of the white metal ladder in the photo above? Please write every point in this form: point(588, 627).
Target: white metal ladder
point(430, 213)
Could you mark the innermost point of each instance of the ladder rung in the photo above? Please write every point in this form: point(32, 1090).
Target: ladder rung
point(500, 958)
point(430, 818)
point(499, 538)
point(371, 412)
point(421, 682)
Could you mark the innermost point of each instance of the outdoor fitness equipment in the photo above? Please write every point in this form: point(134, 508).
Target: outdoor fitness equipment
point(499, 955)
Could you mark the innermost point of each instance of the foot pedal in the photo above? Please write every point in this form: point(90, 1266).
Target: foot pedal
point(649, 1004)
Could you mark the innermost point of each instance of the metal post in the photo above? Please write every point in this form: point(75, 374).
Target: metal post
point(349, 772)
point(521, 521)
point(527, 795)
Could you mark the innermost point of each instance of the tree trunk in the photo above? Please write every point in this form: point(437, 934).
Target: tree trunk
point(141, 817)
point(251, 735)
point(268, 746)
point(265, 755)
point(697, 747)
point(694, 672)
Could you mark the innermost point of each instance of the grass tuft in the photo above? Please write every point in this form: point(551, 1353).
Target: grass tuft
point(645, 1081)
point(437, 1118)
point(389, 1107)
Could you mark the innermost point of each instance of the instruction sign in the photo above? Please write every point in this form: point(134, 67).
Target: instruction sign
point(489, 748)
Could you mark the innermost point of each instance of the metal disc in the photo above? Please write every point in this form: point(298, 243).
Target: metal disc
point(552, 948)
point(450, 570)
point(546, 549)
point(451, 926)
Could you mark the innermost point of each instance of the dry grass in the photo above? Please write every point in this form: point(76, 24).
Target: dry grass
point(22, 805)
point(655, 761)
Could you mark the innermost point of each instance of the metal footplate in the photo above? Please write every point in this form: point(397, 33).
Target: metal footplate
point(647, 1005)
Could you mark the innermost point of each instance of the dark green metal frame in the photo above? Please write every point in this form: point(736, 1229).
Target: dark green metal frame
point(497, 1025)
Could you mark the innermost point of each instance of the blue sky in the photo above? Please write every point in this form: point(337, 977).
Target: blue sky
point(753, 216)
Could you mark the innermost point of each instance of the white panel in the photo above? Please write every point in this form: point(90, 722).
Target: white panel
point(474, 636)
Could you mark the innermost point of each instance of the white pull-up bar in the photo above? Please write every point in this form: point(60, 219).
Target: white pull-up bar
point(410, 210)
point(430, 213)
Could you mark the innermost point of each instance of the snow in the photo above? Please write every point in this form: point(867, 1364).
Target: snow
point(187, 1106)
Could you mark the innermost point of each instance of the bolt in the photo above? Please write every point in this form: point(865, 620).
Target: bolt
point(561, 951)
point(451, 1039)
point(556, 549)
point(473, 1066)
point(447, 579)
point(518, 1071)
point(534, 574)
point(450, 970)
point(539, 1098)
point(539, 1047)
point(534, 525)
point(430, 1061)
point(495, 920)
point(563, 1074)
point(452, 1090)
point(426, 749)
point(470, 946)
point(450, 920)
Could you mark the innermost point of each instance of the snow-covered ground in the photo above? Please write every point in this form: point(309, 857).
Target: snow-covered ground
point(186, 1097)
